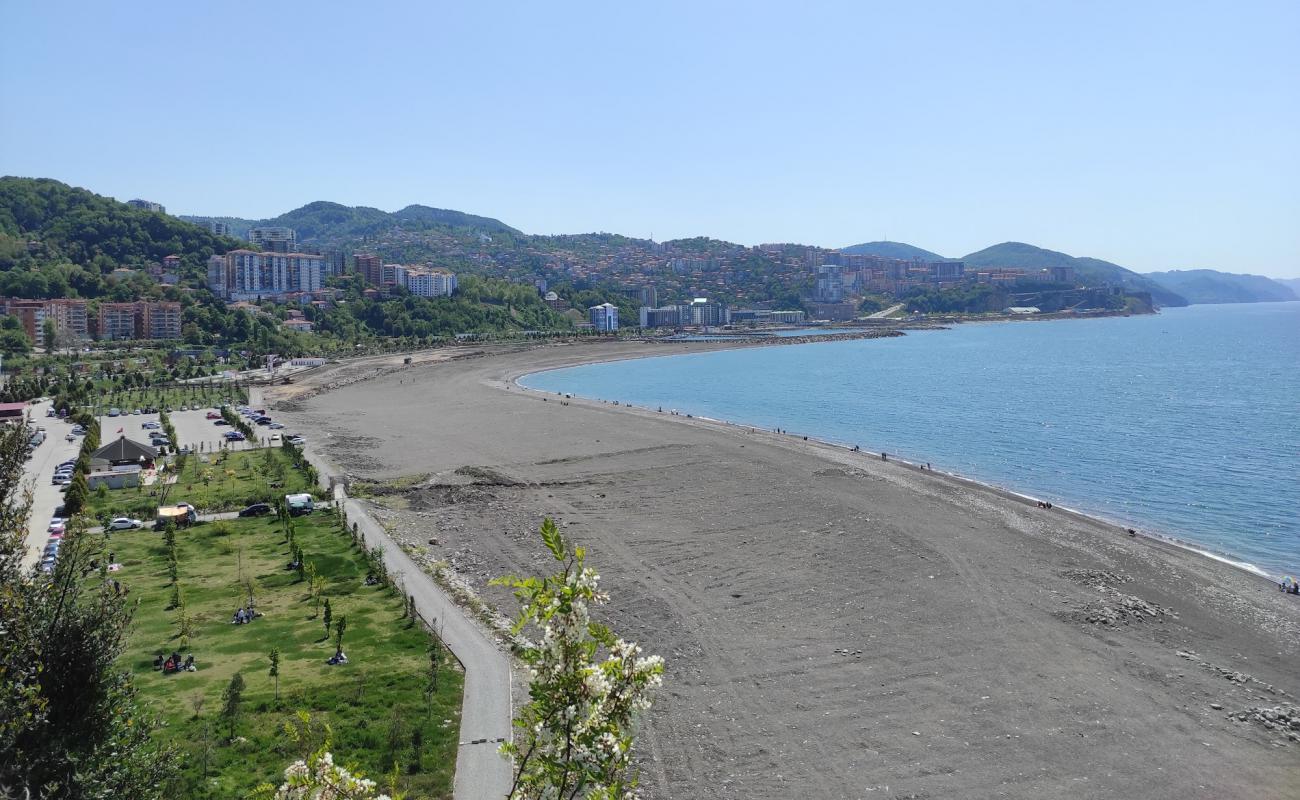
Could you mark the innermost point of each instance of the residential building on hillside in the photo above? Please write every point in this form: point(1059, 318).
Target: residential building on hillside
point(431, 282)
point(274, 239)
point(830, 284)
point(604, 317)
point(69, 316)
point(647, 296)
point(117, 321)
point(147, 205)
point(142, 319)
point(766, 316)
point(219, 228)
point(250, 275)
point(369, 267)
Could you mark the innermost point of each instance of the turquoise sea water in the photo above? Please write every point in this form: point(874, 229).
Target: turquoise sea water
point(1185, 423)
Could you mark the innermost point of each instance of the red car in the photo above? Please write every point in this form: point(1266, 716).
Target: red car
point(213, 415)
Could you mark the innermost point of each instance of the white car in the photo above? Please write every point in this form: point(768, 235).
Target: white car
point(298, 440)
point(275, 426)
point(124, 524)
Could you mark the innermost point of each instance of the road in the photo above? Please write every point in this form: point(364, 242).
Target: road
point(886, 312)
point(486, 712)
point(45, 496)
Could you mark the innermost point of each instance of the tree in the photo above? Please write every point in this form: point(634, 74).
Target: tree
point(575, 735)
point(275, 671)
point(319, 777)
point(339, 628)
point(233, 697)
point(49, 334)
point(68, 711)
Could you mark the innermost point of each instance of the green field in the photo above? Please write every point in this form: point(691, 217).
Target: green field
point(374, 705)
point(227, 480)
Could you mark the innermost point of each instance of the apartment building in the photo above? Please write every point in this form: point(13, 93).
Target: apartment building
point(274, 239)
point(249, 275)
point(604, 317)
point(139, 320)
point(369, 267)
point(69, 316)
point(431, 282)
point(147, 205)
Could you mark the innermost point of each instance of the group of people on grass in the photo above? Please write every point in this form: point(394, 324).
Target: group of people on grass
point(244, 616)
point(173, 663)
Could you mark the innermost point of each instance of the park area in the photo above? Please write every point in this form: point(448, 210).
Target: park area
point(225, 480)
point(393, 709)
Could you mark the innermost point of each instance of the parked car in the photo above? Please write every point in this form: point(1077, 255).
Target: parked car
point(124, 524)
point(61, 480)
point(263, 420)
point(115, 412)
point(160, 441)
point(257, 510)
point(220, 422)
point(77, 430)
point(151, 426)
point(235, 436)
point(214, 415)
point(57, 527)
point(275, 426)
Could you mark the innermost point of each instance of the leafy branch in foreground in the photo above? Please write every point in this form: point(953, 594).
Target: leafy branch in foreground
point(575, 735)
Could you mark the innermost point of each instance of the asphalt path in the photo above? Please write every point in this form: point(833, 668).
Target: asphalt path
point(486, 712)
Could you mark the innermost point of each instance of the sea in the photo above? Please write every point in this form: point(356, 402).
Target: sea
point(1184, 424)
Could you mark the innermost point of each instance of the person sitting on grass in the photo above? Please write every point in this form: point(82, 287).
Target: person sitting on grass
point(158, 661)
point(239, 617)
point(169, 666)
point(339, 657)
point(371, 580)
point(189, 664)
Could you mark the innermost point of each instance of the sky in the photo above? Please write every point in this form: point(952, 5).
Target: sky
point(1158, 135)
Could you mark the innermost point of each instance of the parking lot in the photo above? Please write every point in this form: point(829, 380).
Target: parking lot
point(193, 429)
point(45, 496)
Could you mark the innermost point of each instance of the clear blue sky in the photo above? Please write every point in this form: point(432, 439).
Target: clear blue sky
point(1154, 134)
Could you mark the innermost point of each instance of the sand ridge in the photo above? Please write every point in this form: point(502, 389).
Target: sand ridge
point(836, 626)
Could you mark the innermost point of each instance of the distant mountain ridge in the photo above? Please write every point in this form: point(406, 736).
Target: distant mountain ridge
point(1018, 255)
point(324, 221)
point(1211, 286)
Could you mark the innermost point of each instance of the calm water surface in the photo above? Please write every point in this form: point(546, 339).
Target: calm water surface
point(1185, 423)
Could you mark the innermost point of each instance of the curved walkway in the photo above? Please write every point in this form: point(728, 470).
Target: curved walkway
point(485, 719)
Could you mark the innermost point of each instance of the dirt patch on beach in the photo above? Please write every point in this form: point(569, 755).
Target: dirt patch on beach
point(835, 626)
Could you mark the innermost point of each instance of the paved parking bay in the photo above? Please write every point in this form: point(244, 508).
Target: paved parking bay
point(45, 496)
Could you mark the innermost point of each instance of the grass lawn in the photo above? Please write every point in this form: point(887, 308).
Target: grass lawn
point(373, 705)
point(227, 480)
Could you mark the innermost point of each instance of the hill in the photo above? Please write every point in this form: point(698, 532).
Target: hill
point(1291, 283)
point(58, 240)
point(1211, 286)
point(892, 250)
point(324, 222)
point(1019, 255)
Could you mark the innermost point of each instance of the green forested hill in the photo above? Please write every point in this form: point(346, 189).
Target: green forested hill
point(892, 250)
point(57, 240)
point(1018, 255)
point(323, 222)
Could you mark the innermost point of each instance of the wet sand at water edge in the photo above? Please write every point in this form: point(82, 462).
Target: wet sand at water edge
point(834, 626)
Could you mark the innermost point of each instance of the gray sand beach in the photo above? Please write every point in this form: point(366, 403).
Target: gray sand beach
point(834, 626)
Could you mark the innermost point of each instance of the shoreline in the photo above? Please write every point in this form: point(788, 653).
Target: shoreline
point(830, 622)
point(1123, 527)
